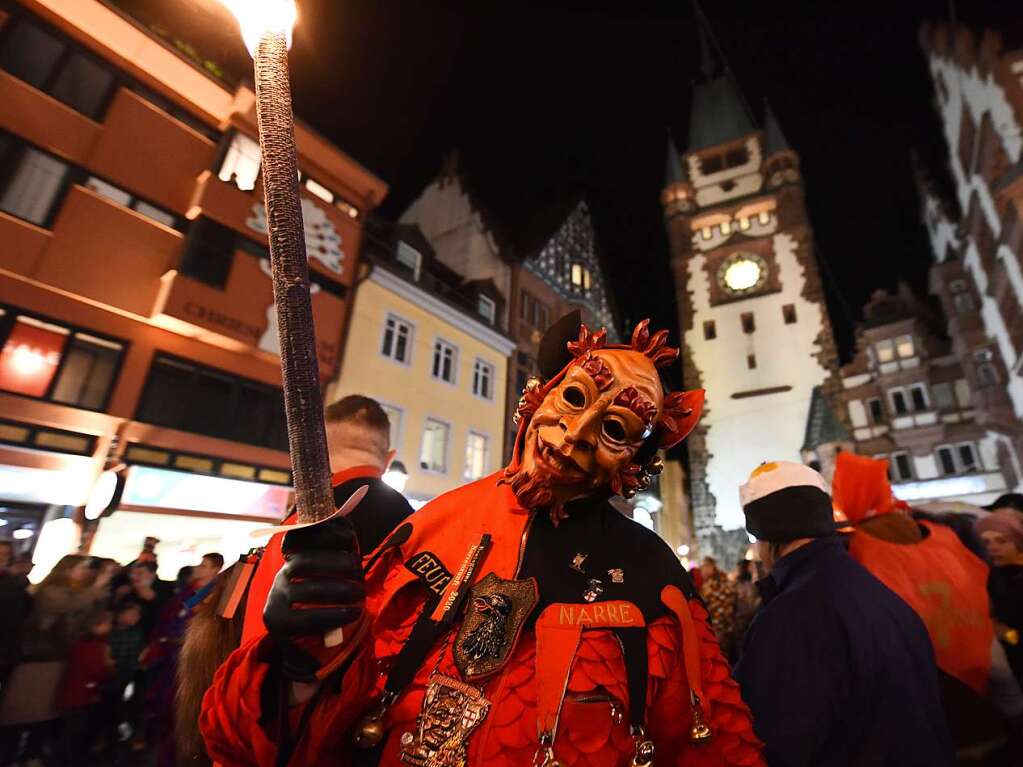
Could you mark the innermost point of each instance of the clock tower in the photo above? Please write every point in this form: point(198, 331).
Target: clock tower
point(755, 328)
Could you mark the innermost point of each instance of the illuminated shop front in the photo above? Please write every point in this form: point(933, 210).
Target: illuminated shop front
point(191, 514)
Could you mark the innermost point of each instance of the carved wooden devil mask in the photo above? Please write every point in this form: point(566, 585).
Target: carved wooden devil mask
point(599, 421)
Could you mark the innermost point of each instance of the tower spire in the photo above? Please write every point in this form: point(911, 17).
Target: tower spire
point(674, 172)
point(719, 111)
point(774, 138)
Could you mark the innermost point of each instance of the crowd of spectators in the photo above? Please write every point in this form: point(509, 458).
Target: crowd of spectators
point(88, 657)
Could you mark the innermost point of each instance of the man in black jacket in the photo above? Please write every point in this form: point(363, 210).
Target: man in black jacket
point(358, 441)
point(836, 668)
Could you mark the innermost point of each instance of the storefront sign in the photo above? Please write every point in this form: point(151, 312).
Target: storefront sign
point(222, 320)
point(161, 488)
point(69, 487)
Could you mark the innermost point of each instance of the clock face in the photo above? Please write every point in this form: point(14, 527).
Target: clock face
point(742, 273)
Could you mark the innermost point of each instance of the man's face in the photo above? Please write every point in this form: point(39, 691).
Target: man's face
point(141, 577)
point(205, 570)
point(128, 617)
point(765, 553)
point(591, 425)
point(1000, 548)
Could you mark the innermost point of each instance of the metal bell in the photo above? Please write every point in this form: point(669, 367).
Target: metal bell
point(644, 756)
point(370, 731)
point(699, 732)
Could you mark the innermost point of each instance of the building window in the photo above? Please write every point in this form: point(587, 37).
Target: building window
point(580, 277)
point(56, 363)
point(410, 258)
point(967, 456)
point(209, 253)
point(885, 350)
point(899, 404)
point(876, 411)
point(83, 84)
point(918, 393)
point(905, 347)
point(317, 189)
point(710, 330)
point(433, 456)
point(958, 459)
point(483, 380)
point(944, 398)
point(397, 344)
point(487, 308)
point(967, 133)
point(946, 461)
point(49, 63)
point(532, 311)
point(241, 162)
point(749, 325)
point(963, 303)
point(736, 157)
point(987, 375)
point(445, 358)
point(31, 182)
point(394, 415)
point(120, 197)
point(789, 313)
point(182, 395)
point(712, 164)
point(902, 467)
point(751, 361)
point(475, 456)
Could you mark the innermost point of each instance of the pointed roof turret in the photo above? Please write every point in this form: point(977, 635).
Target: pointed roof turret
point(822, 423)
point(674, 173)
point(719, 112)
point(774, 139)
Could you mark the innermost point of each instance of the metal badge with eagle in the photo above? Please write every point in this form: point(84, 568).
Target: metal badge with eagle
point(497, 611)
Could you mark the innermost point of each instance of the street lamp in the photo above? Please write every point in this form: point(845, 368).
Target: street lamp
point(396, 476)
point(266, 27)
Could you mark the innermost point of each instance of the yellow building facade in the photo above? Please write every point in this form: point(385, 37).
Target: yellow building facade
point(439, 373)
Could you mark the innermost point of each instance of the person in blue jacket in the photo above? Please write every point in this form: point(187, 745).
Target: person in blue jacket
point(836, 668)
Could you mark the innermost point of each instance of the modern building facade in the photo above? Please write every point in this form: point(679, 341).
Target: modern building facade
point(976, 229)
point(420, 344)
point(910, 401)
point(755, 327)
point(136, 311)
point(563, 274)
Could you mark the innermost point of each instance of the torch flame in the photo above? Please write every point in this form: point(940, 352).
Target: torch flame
point(260, 17)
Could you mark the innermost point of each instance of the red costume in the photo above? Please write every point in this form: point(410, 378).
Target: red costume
point(924, 563)
point(582, 640)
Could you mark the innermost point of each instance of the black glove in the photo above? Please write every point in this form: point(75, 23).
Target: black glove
point(320, 588)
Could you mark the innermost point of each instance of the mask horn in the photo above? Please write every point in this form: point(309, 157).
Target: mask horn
point(553, 354)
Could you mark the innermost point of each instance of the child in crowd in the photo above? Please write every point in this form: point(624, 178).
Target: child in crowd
point(90, 664)
point(127, 641)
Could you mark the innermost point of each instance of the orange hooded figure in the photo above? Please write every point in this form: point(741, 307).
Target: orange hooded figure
point(517, 620)
point(922, 562)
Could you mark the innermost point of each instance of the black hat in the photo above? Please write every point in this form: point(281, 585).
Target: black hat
point(784, 501)
point(1007, 501)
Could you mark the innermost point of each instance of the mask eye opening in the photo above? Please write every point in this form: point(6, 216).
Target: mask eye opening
point(574, 396)
point(614, 430)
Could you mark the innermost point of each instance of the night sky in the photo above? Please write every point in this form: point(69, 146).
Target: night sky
point(551, 101)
